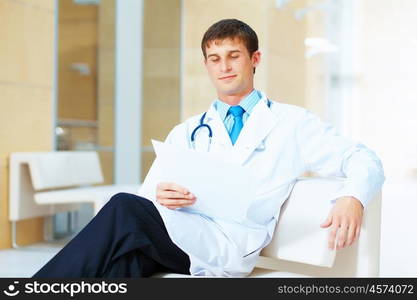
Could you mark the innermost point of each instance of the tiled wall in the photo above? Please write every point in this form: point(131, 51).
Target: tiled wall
point(161, 73)
point(26, 95)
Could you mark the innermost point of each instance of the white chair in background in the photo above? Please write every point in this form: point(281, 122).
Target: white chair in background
point(45, 183)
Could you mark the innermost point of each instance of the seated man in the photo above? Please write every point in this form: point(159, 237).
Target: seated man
point(134, 236)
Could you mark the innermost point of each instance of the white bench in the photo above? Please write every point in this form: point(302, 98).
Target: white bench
point(45, 183)
point(299, 246)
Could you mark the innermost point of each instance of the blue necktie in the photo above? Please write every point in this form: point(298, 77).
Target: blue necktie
point(237, 112)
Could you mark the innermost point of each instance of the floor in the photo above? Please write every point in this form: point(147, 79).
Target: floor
point(26, 261)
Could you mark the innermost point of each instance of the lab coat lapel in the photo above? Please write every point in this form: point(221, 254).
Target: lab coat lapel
point(220, 135)
point(259, 124)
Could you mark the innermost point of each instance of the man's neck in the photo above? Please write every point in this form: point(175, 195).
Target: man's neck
point(235, 99)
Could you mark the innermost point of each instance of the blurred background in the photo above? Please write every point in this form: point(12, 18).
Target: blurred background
point(109, 75)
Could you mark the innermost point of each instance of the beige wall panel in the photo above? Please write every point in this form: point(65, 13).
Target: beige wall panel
point(40, 4)
point(106, 21)
point(28, 231)
point(197, 86)
point(161, 62)
point(194, 63)
point(286, 80)
point(162, 91)
point(200, 14)
point(160, 107)
point(106, 161)
point(201, 93)
point(106, 74)
point(106, 125)
point(161, 24)
point(77, 92)
point(147, 160)
point(261, 75)
point(71, 12)
point(25, 118)
point(19, 31)
point(25, 125)
point(5, 225)
point(105, 89)
point(285, 33)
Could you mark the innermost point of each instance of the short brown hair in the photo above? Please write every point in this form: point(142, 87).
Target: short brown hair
point(231, 28)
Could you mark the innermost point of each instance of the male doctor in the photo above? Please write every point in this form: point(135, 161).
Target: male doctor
point(140, 235)
point(294, 140)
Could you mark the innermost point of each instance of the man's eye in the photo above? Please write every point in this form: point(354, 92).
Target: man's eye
point(235, 56)
point(214, 59)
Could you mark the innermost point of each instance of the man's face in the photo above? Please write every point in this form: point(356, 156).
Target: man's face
point(230, 67)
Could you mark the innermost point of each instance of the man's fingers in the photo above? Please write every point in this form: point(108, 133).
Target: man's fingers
point(345, 222)
point(351, 234)
point(332, 234)
point(176, 201)
point(327, 222)
point(174, 195)
point(357, 232)
point(343, 232)
point(170, 186)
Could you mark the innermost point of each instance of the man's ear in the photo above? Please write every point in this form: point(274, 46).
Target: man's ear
point(256, 58)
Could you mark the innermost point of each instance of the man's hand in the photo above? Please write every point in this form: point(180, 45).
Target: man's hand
point(345, 217)
point(172, 195)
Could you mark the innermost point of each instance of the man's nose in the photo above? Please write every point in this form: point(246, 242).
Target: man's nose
point(225, 66)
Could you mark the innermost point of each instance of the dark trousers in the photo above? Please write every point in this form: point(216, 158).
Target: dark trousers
point(127, 238)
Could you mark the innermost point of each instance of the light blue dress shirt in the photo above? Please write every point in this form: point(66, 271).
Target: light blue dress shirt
point(247, 103)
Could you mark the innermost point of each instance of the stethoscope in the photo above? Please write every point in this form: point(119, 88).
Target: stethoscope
point(210, 131)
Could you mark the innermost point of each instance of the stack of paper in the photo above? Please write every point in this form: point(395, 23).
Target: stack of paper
point(223, 189)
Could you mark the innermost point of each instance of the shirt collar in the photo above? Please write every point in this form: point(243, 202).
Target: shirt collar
point(247, 103)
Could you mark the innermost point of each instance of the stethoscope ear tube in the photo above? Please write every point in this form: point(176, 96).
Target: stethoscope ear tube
point(201, 126)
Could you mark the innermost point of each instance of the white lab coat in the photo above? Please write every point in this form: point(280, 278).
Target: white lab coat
point(277, 145)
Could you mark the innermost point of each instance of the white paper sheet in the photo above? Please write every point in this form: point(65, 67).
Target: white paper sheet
point(223, 189)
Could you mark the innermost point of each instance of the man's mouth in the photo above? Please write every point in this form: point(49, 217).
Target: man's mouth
point(227, 77)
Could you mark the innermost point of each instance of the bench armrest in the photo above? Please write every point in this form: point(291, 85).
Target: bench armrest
point(298, 236)
point(299, 244)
